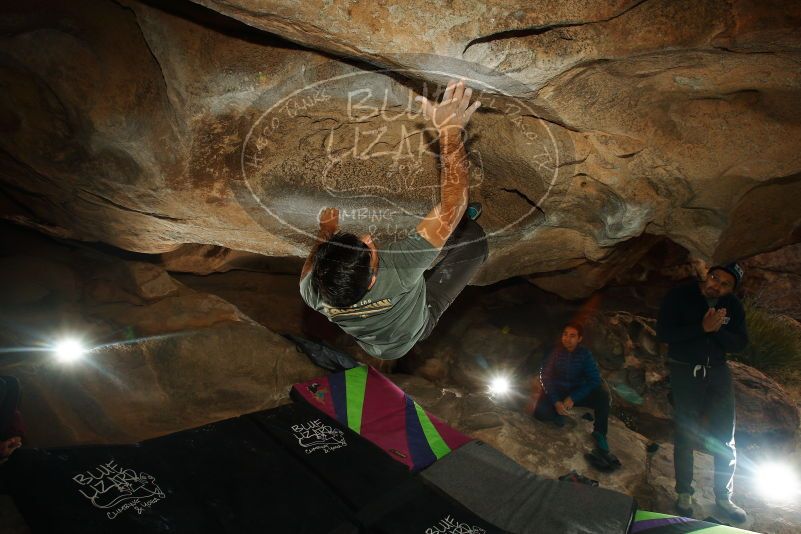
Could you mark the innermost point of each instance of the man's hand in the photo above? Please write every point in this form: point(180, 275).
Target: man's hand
point(329, 222)
point(10, 445)
point(560, 408)
point(713, 319)
point(568, 402)
point(454, 111)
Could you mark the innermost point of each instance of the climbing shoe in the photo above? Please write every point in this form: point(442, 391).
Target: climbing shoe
point(600, 440)
point(474, 210)
point(602, 460)
point(611, 458)
point(684, 504)
point(732, 510)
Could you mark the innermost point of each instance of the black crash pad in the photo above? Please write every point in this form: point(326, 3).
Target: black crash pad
point(224, 477)
point(384, 496)
point(286, 470)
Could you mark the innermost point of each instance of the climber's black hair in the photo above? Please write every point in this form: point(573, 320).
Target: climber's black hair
point(341, 272)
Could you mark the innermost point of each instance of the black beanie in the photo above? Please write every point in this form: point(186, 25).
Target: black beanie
point(733, 269)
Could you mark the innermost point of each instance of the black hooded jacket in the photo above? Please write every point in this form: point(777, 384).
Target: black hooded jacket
point(679, 325)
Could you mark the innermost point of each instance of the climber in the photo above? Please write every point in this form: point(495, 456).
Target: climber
point(569, 377)
point(702, 322)
point(388, 298)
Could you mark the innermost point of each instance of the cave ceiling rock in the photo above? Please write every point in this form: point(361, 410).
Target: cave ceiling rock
point(147, 125)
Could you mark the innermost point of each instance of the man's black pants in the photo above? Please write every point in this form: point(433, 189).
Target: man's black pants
point(598, 400)
point(465, 251)
point(703, 414)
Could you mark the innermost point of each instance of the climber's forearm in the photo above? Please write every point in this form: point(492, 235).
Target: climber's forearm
point(454, 177)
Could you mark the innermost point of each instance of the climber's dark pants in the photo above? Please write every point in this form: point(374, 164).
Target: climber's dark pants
point(598, 400)
point(465, 250)
point(703, 413)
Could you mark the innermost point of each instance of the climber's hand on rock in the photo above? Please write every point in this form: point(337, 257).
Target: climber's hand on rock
point(560, 408)
point(454, 111)
point(568, 403)
point(329, 222)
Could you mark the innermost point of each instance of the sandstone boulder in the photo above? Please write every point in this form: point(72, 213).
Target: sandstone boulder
point(594, 144)
point(763, 406)
point(128, 392)
point(773, 280)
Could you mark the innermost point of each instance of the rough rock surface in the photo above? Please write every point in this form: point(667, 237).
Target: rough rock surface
point(49, 289)
point(763, 406)
point(149, 125)
point(162, 356)
point(141, 389)
point(774, 280)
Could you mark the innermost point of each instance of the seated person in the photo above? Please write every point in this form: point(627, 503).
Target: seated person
point(569, 377)
point(11, 427)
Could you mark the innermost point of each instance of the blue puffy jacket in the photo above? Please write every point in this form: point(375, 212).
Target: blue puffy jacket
point(574, 374)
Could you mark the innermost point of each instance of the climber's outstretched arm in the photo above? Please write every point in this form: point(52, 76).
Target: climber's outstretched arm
point(450, 118)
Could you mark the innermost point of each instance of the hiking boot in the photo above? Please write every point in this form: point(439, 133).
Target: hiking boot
point(684, 504)
point(731, 509)
point(600, 440)
point(473, 210)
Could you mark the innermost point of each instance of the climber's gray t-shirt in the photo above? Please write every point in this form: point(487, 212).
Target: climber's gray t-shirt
point(391, 317)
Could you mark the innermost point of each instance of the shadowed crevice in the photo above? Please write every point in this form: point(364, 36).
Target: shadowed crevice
point(539, 30)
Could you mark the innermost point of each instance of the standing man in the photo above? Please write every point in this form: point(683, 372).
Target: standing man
point(570, 377)
point(386, 298)
point(702, 322)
